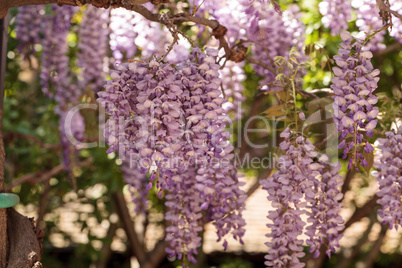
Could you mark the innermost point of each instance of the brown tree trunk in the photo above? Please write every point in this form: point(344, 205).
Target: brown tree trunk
point(25, 250)
point(3, 211)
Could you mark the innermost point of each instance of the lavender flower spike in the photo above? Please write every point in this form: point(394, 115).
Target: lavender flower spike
point(354, 83)
point(336, 14)
point(388, 161)
point(302, 186)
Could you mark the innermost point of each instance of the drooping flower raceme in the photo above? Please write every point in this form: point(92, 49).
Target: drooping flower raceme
point(285, 190)
point(137, 183)
point(232, 83)
point(396, 31)
point(144, 107)
point(231, 15)
point(28, 27)
point(59, 83)
point(274, 35)
point(336, 14)
point(369, 21)
point(170, 118)
point(354, 83)
point(210, 147)
point(301, 186)
point(54, 61)
point(324, 210)
point(72, 128)
point(185, 216)
point(93, 51)
point(154, 39)
point(388, 161)
point(122, 34)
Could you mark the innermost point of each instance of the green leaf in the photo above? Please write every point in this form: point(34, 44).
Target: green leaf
point(323, 64)
point(370, 160)
point(282, 95)
point(274, 109)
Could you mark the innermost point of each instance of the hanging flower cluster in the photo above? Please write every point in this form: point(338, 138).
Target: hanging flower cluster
point(59, 83)
point(122, 33)
point(326, 223)
point(170, 118)
point(184, 213)
point(232, 83)
point(354, 83)
point(336, 14)
point(232, 15)
point(301, 186)
point(54, 68)
point(388, 161)
point(396, 31)
point(72, 130)
point(93, 51)
point(137, 183)
point(369, 21)
point(273, 35)
point(153, 40)
point(28, 28)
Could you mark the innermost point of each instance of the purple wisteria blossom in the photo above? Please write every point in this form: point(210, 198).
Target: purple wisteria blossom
point(54, 61)
point(170, 118)
point(396, 31)
point(184, 214)
point(273, 35)
point(153, 39)
point(285, 190)
point(93, 47)
point(28, 27)
point(326, 223)
point(137, 183)
point(144, 107)
point(388, 161)
point(233, 77)
point(354, 83)
point(122, 34)
point(59, 83)
point(369, 21)
point(210, 147)
point(301, 186)
point(72, 128)
point(230, 14)
point(336, 14)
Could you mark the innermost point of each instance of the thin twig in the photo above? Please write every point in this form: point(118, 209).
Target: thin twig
point(362, 212)
point(375, 250)
point(44, 200)
point(307, 94)
point(17, 135)
point(156, 256)
point(384, 7)
point(262, 64)
point(137, 248)
point(106, 250)
point(42, 176)
point(394, 47)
